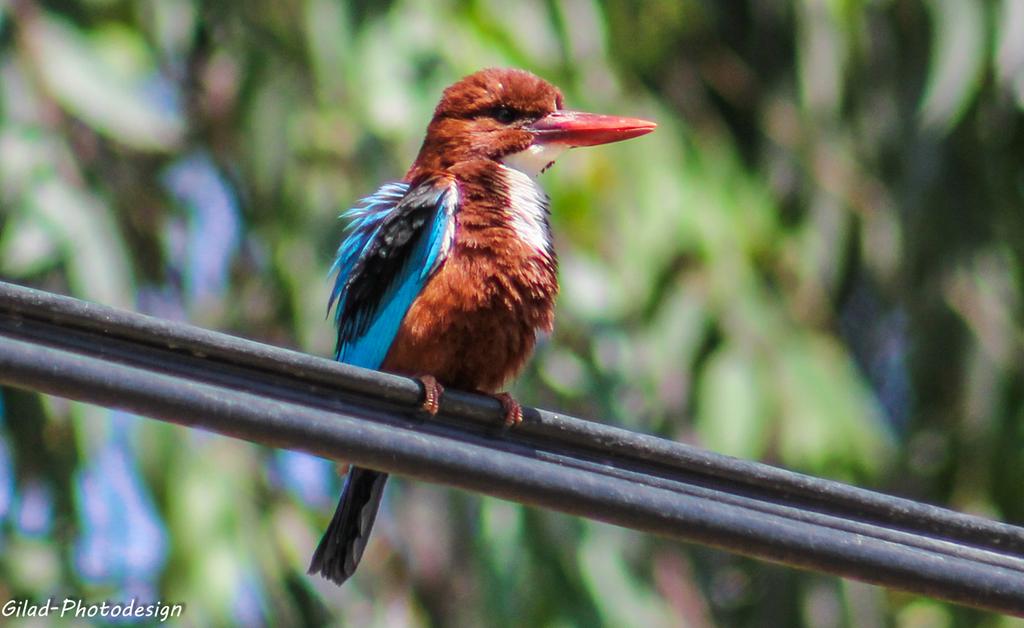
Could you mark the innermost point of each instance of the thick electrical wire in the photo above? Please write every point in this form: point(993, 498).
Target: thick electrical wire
point(203, 379)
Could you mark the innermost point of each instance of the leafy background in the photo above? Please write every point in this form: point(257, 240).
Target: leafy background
point(815, 261)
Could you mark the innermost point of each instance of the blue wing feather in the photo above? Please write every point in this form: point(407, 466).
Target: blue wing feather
point(364, 220)
point(365, 340)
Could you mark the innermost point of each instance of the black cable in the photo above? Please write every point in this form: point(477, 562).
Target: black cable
point(282, 398)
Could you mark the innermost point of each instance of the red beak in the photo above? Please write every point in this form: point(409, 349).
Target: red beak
point(579, 128)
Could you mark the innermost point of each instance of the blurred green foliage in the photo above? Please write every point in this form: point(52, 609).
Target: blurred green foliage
point(815, 261)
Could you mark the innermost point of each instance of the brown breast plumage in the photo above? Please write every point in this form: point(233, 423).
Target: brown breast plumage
point(475, 323)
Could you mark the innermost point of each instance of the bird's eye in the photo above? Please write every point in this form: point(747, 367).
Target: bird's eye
point(504, 115)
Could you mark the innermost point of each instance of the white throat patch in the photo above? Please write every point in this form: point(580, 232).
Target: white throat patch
point(528, 209)
point(535, 159)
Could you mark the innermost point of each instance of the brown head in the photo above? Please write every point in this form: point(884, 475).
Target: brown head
point(511, 116)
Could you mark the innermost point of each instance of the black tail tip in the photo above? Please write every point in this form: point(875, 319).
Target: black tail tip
point(329, 570)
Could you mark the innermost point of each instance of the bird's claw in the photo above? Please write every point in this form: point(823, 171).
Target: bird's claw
point(432, 391)
point(513, 411)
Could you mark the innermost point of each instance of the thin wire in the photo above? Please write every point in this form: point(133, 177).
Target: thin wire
point(269, 395)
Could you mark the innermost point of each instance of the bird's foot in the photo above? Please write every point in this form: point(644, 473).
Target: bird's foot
point(432, 391)
point(513, 411)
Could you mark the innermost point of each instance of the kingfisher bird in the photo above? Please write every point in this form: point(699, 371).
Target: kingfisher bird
point(449, 274)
